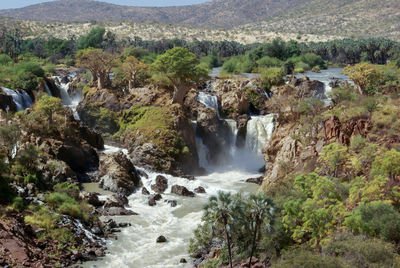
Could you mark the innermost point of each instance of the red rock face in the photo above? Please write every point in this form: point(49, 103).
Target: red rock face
point(342, 132)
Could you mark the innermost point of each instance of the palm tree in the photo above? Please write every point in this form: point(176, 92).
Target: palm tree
point(262, 211)
point(220, 210)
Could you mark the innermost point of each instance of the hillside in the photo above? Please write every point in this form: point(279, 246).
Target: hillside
point(350, 18)
point(218, 13)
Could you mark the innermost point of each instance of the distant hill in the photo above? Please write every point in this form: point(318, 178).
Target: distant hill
point(347, 18)
point(218, 13)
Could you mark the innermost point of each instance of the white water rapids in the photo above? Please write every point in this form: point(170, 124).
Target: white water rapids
point(21, 99)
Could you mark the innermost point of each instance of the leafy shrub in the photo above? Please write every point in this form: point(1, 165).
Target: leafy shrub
point(271, 77)
point(357, 143)
point(378, 219)
point(18, 203)
point(303, 258)
point(360, 251)
point(5, 59)
point(267, 62)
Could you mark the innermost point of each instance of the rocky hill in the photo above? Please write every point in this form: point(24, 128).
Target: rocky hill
point(350, 18)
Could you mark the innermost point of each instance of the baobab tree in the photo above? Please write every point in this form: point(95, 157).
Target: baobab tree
point(99, 63)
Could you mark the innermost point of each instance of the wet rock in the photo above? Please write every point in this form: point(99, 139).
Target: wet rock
point(161, 184)
point(183, 260)
point(116, 201)
point(258, 180)
point(91, 198)
point(153, 198)
point(189, 177)
point(7, 103)
point(145, 191)
point(200, 190)
point(124, 224)
point(118, 174)
point(93, 138)
point(117, 211)
point(181, 190)
point(306, 88)
point(173, 203)
point(161, 239)
point(242, 130)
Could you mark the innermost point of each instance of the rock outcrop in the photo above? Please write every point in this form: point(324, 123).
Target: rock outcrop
point(161, 184)
point(181, 190)
point(118, 174)
point(342, 132)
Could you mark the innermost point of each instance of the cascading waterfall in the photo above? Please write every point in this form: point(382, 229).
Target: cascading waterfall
point(259, 131)
point(63, 87)
point(21, 99)
point(48, 91)
point(209, 101)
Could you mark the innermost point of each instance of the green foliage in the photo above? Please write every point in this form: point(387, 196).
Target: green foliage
point(302, 258)
point(387, 164)
point(267, 62)
point(332, 157)
point(360, 251)
point(18, 203)
point(271, 77)
point(93, 39)
point(5, 60)
point(377, 218)
point(316, 209)
point(67, 205)
point(313, 60)
point(342, 94)
point(288, 67)
point(357, 143)
point(366, 76)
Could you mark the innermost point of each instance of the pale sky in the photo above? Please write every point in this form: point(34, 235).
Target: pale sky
point(5, 4)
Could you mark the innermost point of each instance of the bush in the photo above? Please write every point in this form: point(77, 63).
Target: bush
point(341, 94)
point(288, 67)
point(5, 59)
point(313, 60)
point(267, 62)
point(377, 218)
point(93, 39)
point(357, 143)
point(360, 251)
point(271, 77)
point(67, 205)
point(18, 203)
point(303, 258)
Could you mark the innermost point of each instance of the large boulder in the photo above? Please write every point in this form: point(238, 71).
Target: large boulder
point(161, 184)
point(181, 190)
point(118, 174)
point(7, 103)
point(306, 88)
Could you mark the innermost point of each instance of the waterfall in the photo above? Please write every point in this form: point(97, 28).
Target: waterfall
point(21, 99)
point(259, 131)
point(63, 88)
point(209, 101)
point(48, 91)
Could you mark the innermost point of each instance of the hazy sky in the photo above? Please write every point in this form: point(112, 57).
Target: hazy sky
point(4, 4)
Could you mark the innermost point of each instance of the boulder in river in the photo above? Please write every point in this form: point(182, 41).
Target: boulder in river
point(161, 184)
point(118, 174)
point(161, 239)
point(258, 180)
point(153, 198)
point(145, 191)
point(200, 190)
point(181, 190)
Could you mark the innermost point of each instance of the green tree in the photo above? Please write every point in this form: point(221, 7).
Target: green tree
point(182, 69)
point(133, 68)
point(9, 136)
point(288, 67)
point(93, 39)
point(220, 211)
point(332, 157)
point(377, 219)
point(262, 211)
point(48, 106)
point(387, 164)
point(316, 209)
point(363, 75)
point(99, 63)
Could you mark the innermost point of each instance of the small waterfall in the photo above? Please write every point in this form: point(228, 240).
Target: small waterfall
point(209, 101)
point(48, 91)
point(259, 131)
point(21, 99)
point(63, 87)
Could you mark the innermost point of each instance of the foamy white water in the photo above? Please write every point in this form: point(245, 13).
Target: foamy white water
point(21, 99)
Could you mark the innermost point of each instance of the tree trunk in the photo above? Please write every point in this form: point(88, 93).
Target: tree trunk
point(100, 82)
point(228, 241)
point(179, 94)
point(253, 248)
point(130, 86)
